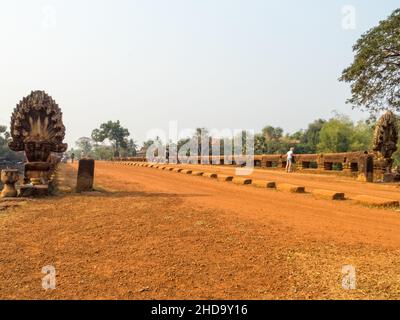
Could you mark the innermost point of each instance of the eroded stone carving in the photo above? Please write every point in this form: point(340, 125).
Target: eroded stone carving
point(9, 177)
point(385, 144)
point(386, 135)
point(85, 175)
point(37, 129)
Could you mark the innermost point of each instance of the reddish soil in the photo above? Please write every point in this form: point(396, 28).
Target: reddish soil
point(153, 234)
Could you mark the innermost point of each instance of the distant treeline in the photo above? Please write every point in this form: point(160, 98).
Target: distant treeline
point(5, 152)
point(338, 134)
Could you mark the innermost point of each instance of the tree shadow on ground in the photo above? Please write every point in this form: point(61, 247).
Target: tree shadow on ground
point(142, 194)
point(130, 194)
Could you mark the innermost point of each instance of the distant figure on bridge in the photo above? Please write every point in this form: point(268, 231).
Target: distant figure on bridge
point(289, 160)
point(72, 157)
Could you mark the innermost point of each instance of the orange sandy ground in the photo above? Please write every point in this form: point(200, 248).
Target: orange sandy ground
point(151, 234)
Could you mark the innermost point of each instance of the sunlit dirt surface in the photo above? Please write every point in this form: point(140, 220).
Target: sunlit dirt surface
point(151, 234)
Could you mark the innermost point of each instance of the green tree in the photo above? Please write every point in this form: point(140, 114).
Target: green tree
point(5, 152)
point(272, 133)
point(181, 143)
point(114, 132)
point(375, 73)
point(335, 135)
point(131, 148)
point(147, 144)
point(244, 136)
point(311, 137)
point(273, 140)
point(3, 141)
point(156, 145)
point(396, 155)
point(200, 135)
point(259, 144)
point(85, 145)
point(361, 139)
point(102, 152)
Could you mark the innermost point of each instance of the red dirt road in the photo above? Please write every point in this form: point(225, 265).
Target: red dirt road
point(156, 234)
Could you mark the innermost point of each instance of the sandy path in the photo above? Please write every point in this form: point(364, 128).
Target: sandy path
point(313, 181)
point(343, 221)
point(154, 234)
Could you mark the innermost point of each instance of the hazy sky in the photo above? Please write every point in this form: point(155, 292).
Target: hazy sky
point(213, 63)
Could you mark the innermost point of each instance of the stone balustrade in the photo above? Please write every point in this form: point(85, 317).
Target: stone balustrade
point(364, 165)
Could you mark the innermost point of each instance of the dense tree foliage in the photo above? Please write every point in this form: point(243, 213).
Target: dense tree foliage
point(338, 134)
point(375, 73)
point(87, 147)
point(5, 152)
point(106, 142)
point(3, 140)
point(114, 132)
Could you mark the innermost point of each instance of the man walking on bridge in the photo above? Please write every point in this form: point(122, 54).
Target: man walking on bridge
point(289, 160)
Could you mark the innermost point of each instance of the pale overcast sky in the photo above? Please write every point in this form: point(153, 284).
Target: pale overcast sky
point(213, 63)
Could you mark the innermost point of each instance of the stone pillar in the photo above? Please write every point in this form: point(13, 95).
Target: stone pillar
point(85, 175)
point(346, 167)
point(320, 162)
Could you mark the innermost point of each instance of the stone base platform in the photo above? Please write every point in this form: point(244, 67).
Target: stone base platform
point(41, 190)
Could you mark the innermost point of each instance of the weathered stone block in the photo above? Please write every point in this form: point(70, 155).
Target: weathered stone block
point(287, 187)
point(186, 171)
point(210, 175)
point(239, 180)
point(328, 194)
point(224, 177)
point(85, 175)
point(264, 184)
point(375, 201)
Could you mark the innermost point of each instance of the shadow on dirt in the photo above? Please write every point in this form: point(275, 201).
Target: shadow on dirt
point(101, 193)
point(140, 194)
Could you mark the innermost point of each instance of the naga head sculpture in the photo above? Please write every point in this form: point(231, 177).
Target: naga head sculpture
point(386, 135)
point(37, 127)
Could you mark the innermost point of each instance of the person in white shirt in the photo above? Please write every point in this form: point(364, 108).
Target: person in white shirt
point(289, 160)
